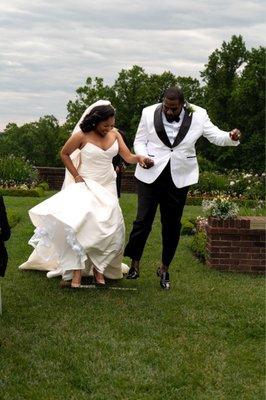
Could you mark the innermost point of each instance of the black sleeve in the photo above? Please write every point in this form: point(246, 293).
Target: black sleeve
point(121, 162)
point(4, 225)
point(117, 161)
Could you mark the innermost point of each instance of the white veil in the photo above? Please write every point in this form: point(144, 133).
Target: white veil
point(75, 156)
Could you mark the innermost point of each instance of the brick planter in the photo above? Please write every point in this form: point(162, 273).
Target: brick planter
point(236, 244)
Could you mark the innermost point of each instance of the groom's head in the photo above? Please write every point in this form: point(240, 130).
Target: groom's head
point(173, 101)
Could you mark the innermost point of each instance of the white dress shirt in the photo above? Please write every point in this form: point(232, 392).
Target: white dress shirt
point(172, 128)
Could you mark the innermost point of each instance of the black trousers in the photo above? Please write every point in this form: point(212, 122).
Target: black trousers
point(171, 201)
point(3, 259)
point(118, 183)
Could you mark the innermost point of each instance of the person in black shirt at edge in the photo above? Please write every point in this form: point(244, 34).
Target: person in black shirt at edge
point(119, 166)
point(4, 235)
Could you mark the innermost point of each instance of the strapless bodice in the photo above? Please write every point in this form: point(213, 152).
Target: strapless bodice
point(96, 163)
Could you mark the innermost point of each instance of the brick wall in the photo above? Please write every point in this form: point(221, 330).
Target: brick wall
point(237, 244)
point(52, 175)
point(129, 183)
point(55, 176)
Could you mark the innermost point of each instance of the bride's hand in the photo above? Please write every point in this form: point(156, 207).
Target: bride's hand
point(145, 162)
point(78, 179)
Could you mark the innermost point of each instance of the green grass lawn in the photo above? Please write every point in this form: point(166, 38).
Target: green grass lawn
point(204, 339)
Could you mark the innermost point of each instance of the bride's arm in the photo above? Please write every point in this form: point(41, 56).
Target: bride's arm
point(131, 158)
point(73, 143)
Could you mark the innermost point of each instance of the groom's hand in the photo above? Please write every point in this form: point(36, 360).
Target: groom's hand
point(235, 135)
point(146, 163)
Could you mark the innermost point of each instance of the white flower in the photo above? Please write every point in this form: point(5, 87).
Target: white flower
point(232, 183)
point(220, 207)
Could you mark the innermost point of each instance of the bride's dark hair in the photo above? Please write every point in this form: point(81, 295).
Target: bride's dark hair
point(95, 116)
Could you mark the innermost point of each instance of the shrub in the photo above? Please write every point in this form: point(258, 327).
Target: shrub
point(210, 182)
point(193, 200)
point(188, 227)
point(35, 192)
point(44, 185)
point(17, 171)
point(249, 185)
point(205, 165)
point(258, 208)
point(235, 183)
point(198, 244)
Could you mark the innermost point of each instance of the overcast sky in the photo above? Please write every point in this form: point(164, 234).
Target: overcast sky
point(49, 47)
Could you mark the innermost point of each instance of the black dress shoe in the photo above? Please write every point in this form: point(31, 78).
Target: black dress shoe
point(133, 273)
point(164, 279)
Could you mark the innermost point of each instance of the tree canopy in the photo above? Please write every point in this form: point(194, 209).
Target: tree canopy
point(234, 95)
point(232, 91)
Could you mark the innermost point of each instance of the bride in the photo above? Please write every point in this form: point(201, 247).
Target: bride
point(82, 227)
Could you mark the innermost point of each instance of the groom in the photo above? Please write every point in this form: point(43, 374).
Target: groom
point(167, 133)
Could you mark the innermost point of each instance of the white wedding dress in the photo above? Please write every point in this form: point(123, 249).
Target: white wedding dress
point(82, 225)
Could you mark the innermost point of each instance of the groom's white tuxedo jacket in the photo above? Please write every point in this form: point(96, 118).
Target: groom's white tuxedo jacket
point(152, 141)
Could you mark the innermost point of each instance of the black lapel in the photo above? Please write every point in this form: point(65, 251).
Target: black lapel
point(159, 127)
point(183, 130)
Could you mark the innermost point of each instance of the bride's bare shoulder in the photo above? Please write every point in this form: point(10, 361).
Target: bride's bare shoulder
point(78, 136)
point(115, 133)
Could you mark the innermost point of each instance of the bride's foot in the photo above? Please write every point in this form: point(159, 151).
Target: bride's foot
point(75, 283)
point(99, 277)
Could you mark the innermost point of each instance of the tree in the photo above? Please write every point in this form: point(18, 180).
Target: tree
point(248, 109)
point(129, 89)
point(192, 89)
point(235, 97)
point(92, 91)
point(220, 75)
point(233, 93)
point(38, 141)
point(133, 90)
point(156, 86)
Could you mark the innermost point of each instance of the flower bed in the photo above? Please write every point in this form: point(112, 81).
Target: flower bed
point(220, 207)
point(196, 200)
point(233, 183)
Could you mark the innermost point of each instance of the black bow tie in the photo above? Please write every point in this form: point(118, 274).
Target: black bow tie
point(175, 119)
